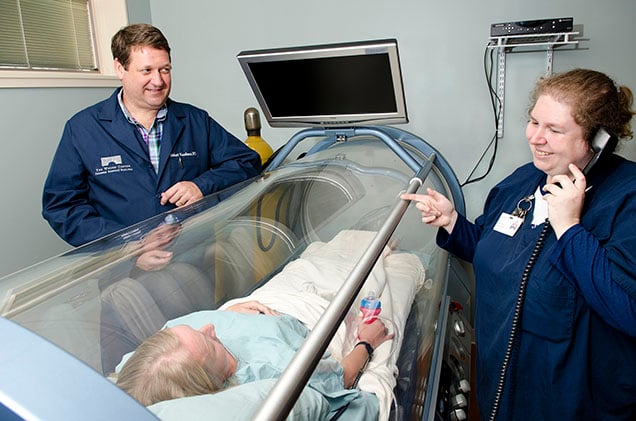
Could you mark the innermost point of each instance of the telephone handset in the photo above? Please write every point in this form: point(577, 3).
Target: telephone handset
point(602, 139)
point(602, 144)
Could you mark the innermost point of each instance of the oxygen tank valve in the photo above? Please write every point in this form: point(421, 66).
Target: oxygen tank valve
point(254, 140)
point(252, 122)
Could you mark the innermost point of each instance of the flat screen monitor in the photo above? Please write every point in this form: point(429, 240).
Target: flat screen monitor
point(350, 84)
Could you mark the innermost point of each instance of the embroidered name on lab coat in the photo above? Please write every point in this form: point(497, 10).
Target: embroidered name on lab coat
point(183, 154)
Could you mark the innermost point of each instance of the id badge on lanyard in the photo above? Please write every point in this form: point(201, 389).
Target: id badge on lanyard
point(509, 224)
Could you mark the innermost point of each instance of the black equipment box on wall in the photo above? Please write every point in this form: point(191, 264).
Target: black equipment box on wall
point(526, 27)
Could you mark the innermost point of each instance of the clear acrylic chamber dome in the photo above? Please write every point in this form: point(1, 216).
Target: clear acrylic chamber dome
point(97, 303)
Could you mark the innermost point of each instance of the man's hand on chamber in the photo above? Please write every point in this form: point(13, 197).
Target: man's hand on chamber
point(181, 194)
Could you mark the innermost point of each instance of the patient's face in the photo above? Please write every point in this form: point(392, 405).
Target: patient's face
point(204, 345)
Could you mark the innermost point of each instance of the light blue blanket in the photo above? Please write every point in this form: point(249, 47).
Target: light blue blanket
point(264, 346)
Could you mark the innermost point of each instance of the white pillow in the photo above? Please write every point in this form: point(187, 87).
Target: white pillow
point(239, 403)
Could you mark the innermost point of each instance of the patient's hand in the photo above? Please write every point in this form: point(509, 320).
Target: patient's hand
point(374, 333)
point(252, 307)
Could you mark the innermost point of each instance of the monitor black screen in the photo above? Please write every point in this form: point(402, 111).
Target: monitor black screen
point(342, 84)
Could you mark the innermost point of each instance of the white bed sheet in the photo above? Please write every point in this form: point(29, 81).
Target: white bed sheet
point(306, 286)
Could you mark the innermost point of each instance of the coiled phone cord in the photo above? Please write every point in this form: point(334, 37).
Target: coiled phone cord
point(516, 318)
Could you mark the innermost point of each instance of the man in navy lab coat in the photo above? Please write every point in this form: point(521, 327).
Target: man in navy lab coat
point(138, 153)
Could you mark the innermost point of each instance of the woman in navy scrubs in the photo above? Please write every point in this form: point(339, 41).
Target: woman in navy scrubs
point(555, 325)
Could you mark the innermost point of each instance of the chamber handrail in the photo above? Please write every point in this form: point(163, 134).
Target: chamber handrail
point(345, 133)
point(289, 386)
point(392, 136)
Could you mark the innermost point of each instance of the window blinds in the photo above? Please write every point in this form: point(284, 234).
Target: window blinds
point(46, 34)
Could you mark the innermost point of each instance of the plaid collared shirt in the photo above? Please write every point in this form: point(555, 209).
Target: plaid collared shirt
point(152, 136)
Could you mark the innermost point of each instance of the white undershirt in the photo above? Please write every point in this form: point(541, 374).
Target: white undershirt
point(540, 212)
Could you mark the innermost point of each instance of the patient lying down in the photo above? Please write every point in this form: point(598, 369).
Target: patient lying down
point(258, 343)
point(247, 340)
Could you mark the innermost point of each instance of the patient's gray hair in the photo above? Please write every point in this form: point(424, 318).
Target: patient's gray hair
point(162, 368)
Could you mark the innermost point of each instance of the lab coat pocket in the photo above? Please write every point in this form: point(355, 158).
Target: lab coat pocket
point(187, 162)
point(190, 160)
point(549, 310)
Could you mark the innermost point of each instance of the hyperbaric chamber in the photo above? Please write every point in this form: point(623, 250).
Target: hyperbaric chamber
point(96, 303)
